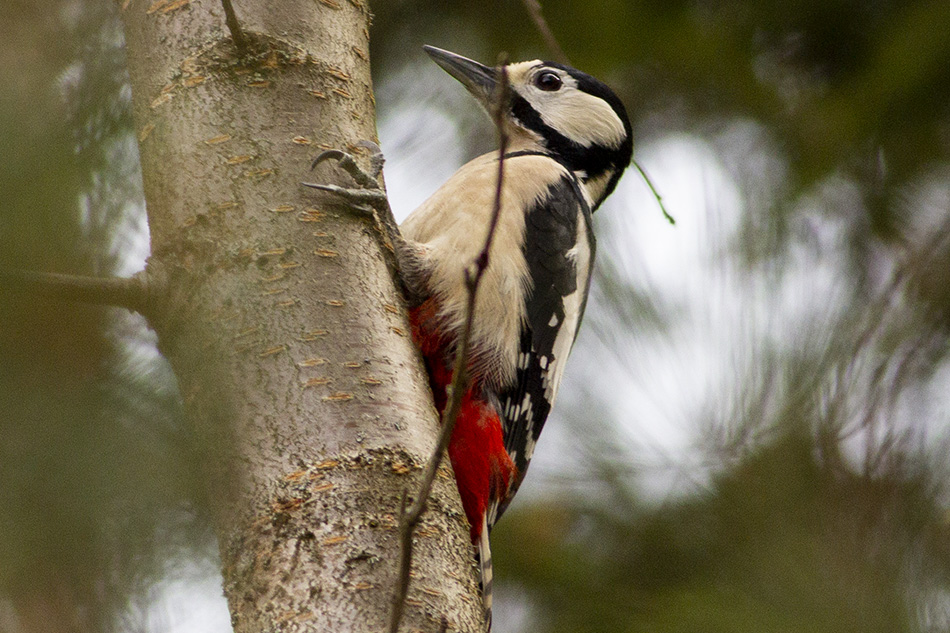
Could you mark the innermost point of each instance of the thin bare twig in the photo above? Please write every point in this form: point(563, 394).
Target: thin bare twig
point(411, 516)
point(237, 33)
point(656, 194)
point(124, 292)
point(534, 8)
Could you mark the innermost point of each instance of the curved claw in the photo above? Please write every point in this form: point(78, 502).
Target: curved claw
point(376, 158)
point(370, 145)
point(334, 154)
point(348, 163)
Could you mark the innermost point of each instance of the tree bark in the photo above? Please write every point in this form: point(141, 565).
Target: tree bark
point(281, 319)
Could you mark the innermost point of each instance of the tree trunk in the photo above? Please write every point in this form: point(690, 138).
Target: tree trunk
point(282, 323)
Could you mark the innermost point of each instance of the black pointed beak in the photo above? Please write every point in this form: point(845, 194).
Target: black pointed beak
point(478, 79)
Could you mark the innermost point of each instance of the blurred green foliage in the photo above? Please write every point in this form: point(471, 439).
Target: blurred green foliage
point(94, 460)
point(780, 542)
point(800, 527)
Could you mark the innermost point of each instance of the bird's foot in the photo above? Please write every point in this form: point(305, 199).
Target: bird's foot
point(369, 199)
point(370, 194)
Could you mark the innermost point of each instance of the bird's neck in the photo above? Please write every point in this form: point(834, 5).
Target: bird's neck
point(596, 187)
point(522, 140)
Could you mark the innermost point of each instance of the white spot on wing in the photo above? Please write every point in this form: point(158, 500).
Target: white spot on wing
point(572, 311)
point(529, 447)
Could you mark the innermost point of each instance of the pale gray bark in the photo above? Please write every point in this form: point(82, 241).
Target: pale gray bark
point(282, 322)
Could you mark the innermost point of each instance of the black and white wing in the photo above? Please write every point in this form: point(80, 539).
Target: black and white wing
point(559, 249)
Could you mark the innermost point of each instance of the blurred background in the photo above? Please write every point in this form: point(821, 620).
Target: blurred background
point(752, 434)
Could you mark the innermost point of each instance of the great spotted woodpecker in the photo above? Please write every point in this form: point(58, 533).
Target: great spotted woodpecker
point(569, 142)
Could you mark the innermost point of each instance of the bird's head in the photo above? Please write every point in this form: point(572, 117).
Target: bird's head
point(557, 110)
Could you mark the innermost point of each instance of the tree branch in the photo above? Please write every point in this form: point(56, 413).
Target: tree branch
point(411, 516)
point(237, 33)
point(534, 9)
point(132, 293)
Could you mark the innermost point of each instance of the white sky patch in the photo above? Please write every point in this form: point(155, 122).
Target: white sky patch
point(192, 602)
point(422, 152)
point(419, 131)
point(657, 386)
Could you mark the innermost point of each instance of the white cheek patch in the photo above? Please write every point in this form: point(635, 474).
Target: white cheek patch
point(581, 117)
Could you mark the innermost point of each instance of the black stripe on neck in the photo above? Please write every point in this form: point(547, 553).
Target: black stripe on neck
point(533, 152)
point(594, 160)
point(556, 159)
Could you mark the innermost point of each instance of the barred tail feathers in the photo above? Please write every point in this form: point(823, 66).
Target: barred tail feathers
point(484, 561)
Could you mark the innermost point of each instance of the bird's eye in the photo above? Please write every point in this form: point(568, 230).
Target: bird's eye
point(548, 81)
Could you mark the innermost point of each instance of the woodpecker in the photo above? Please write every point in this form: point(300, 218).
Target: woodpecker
point(569, 142)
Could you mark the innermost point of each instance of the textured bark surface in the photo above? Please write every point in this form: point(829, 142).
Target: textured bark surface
point(284, 328)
